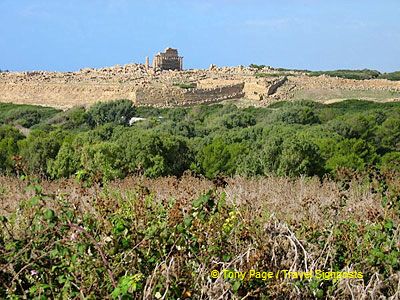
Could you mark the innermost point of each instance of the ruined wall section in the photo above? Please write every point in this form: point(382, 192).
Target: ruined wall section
point(208, 95)
point(61, 95)
point(261, 89)
point(159, 96)
point(274, 86)
point(255, 90)
point(331, 83)
point(173, 96)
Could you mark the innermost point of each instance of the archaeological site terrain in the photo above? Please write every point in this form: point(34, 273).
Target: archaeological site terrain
point(139, 182)
point(255, 85)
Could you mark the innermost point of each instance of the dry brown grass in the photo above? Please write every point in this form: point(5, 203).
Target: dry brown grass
point(281, 224)
point(300, 201)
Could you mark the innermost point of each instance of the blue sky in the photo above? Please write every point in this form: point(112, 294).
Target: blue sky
point(305, 34)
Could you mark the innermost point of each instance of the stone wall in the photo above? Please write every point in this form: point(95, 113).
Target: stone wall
point(172, 96)
point(159, 96)
point(329, 83)
point(207, 95)
point(274, 86)
point(255, 90)
point(61, 95)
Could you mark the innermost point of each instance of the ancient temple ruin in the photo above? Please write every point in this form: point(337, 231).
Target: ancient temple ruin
point(168, 60)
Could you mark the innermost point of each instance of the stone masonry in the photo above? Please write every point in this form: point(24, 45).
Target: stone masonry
point(146, 86)
point(168, 60)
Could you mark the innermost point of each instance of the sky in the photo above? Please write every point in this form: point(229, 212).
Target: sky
point(303, 34)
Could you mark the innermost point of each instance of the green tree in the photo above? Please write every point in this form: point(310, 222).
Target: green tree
point(388, 134)
point(238, 119)
point(68, 160)
point(297, 115)
point(220, 158)
point(390, 162)
point(300, 157)
point(153, 154)
point(118, 112)
point(353, 154)
point(102, 162)
point(40, 148)
point(9, 138)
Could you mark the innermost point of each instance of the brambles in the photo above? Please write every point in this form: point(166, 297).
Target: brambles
point(148, 238)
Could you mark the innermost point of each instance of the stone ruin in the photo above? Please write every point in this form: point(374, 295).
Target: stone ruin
point(157, 87)
point(168, 60)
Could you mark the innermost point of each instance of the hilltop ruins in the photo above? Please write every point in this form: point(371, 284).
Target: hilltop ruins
point(160, 87)
point(168, 60)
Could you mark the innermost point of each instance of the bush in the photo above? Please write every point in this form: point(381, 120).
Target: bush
point(39, 149)
point(297, 115)
point(214, 140)
point(300, 157)
point(220, 158)
point(353, 154)
point(153, 155)
point(394, 76)
point(388, 134)
point(117, 112)
point(137, 238)
point(390, 162)
point(258, 67)
point(9, 138)
point(74, 118)
point(68, 160)
point(348, 74)
point(25, 115)
point(238, 120)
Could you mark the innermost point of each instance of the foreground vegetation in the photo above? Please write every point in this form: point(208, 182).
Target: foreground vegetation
point(285, 139)
point(161, 238)
point(88, 208)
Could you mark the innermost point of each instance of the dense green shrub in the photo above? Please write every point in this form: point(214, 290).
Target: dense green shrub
point(300, 157)
point(25, 115)
point(286, 138)
point(9, 138)
point(390, 162)
point(258, 67)
point(238, 119)
point(395, 76)
point(68, 160)
point(388, 134)
point(220, 158)
point(153, 155)
point(40, 148)
point(354, 154)
point(118, 112)
point(297, 115)
point(74, 118)
point(349, 74)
